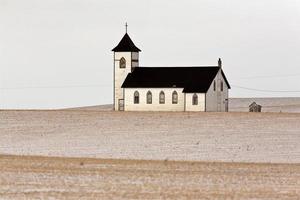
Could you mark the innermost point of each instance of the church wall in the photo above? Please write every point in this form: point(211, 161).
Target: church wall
point(189, 102)
point(135, 59)
point(120, 75)
point(215, 100)
point(155, 106)
point(211, 97)
point(212, 101)
point(225, 98)
point(135, 55)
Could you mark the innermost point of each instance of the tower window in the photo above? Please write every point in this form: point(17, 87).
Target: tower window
point(221, 86)
point(214, 85)
point(195, 99)
point(161, 97)
point(174, 97)
point(149, 97)
point(136, 97)
point(122, 63)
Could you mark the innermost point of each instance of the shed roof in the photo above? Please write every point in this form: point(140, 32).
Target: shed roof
point(254, 104)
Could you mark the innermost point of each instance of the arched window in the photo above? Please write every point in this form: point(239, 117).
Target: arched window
point(221, 86)
point(161, 97)
point(214, 85)
point(122, 63)
point(136, 97)
point(195, 99)
point(174, 97)
point(149, 97)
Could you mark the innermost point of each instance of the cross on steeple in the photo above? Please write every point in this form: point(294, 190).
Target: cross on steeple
point(126, 25)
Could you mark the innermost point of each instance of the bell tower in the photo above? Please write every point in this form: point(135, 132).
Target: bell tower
point(126, 58)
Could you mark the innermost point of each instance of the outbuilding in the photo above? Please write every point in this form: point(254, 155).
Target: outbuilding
point(254, 107)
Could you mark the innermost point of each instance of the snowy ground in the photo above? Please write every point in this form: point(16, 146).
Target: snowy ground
point(241, 137)
point(82, 178)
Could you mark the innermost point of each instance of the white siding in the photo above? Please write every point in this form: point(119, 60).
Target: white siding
point(189, 102)
point(121, 73)
point(215, 100)
point(155, 106)
point(135, 59)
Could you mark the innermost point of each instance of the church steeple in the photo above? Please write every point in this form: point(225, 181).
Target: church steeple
point(126, 44)
point(126, 59)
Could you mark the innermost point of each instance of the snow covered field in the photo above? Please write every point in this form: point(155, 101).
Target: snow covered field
point(31, 177)
point(240, 137)
point(116, 137)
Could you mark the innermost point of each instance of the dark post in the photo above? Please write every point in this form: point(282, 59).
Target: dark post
point(220, 62)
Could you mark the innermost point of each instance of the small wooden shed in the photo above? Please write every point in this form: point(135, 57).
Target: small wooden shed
point(254, 107)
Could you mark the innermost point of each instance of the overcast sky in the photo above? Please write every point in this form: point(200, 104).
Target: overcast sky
point(57, 53)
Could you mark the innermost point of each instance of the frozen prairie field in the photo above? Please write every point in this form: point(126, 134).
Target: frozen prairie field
point(239, 137)
point(32, 177)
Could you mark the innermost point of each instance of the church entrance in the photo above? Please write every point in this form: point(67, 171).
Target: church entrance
point(121, 104)
point(226, 105)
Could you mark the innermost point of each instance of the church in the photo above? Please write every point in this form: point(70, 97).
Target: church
point(136, 88)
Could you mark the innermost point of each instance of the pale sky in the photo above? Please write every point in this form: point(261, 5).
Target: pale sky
point(57, 53)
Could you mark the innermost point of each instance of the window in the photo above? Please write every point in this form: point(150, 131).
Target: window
point(149, 97)
point(122, 63)
point(221, 86)
point(136, 97)
point(174, 97)
point(195, 99)
point(161, 97)
point(214, 85)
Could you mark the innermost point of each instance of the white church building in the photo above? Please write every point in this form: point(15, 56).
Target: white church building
point(136, 88)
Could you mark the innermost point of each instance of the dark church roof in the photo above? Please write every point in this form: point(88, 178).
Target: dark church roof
point(126, 44)
point(192, 79)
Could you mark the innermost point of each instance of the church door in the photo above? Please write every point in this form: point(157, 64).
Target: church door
point(121, 104)
point(226, 105)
